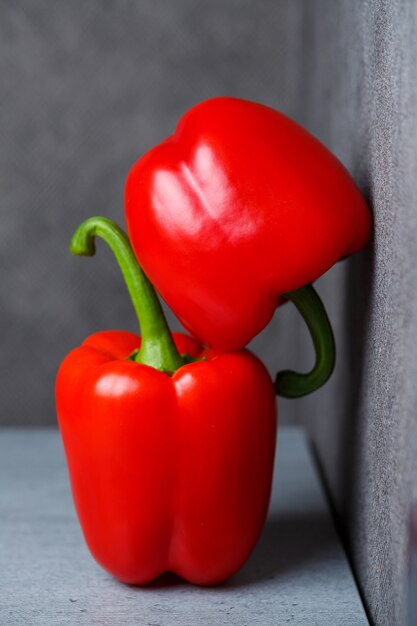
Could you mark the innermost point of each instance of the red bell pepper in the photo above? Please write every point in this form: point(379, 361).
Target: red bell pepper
point(239, 206)
point(170, 446)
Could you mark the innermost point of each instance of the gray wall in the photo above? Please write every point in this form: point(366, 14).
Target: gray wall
point(361, 99)
point(90, 86)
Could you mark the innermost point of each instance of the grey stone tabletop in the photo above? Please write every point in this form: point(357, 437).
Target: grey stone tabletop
point(298, 574)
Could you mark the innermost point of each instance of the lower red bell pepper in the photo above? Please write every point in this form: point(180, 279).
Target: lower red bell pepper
point(170, 447)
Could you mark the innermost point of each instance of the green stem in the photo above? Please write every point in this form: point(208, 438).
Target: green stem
point(157, 347)
point(292, 384)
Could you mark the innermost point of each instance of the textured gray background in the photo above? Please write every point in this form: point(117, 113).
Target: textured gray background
point(87, 87)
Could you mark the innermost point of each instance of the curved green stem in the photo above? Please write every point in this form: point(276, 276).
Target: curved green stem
point(157, 348)
point(292, 384)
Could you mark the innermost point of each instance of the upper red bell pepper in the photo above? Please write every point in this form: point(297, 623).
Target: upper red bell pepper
point(170, 447)
point(237, 207)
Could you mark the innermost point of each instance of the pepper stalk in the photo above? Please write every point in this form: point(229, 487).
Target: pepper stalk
point(292, 384)
point(157, 348)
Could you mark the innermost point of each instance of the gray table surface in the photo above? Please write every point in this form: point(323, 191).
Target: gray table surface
point(298, 574)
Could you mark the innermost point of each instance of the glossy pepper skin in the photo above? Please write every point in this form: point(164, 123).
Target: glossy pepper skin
point(237, 207)
point(167, 472)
